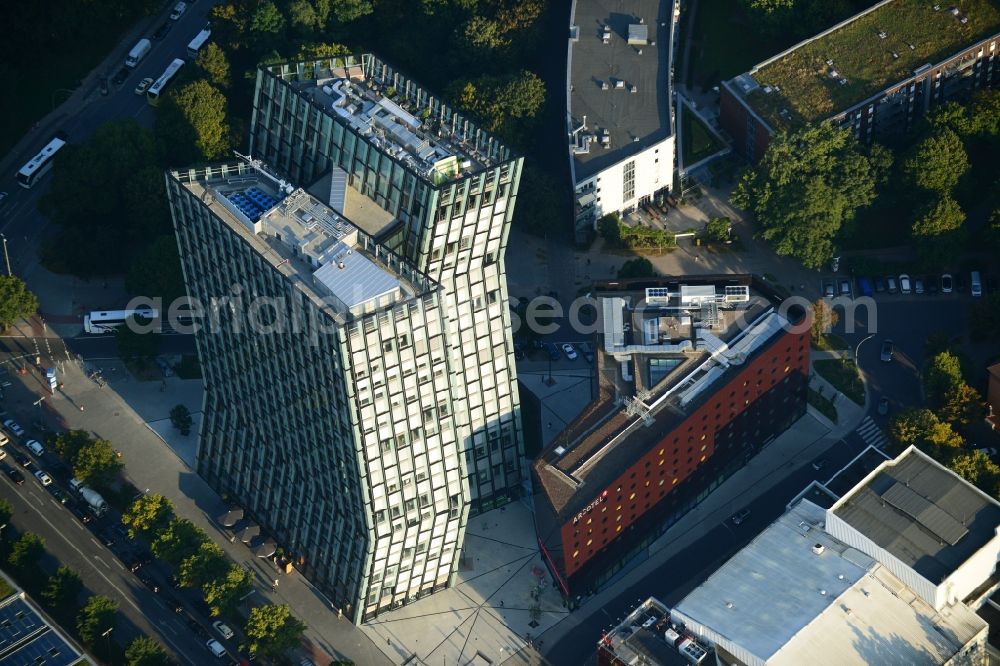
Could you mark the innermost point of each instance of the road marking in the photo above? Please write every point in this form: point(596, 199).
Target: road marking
point(98, 558)
point(110, 582)
point(95, 541)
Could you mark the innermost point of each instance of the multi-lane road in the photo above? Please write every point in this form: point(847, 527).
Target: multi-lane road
point(20, 221)
point(82, 548)
point(682, 573)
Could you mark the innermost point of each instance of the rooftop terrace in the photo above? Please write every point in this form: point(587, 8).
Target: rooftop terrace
point(661, 347)
point(395, 115)
point(866, 54)
point(335, 263)
point(620, 80)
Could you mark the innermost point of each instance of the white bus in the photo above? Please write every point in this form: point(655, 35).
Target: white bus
point(153, 94)
point(99, 322)
point(199, 41)
point(40, 164)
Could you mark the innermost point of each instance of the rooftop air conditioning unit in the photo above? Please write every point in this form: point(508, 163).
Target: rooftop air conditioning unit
point(818, 548)
point(605, 86)
point(619, 83)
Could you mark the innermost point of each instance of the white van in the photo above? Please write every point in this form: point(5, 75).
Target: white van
point(977, 284)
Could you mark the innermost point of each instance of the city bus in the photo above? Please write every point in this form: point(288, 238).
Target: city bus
point(40, 164)
point(153, 94)
point(107, 321)
point(199, 41)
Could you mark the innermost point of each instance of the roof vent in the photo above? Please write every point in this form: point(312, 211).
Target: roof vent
point(605, 86)
point(840, 576)
point(963, 20)
point(634, 88)
point(730, 605)
point(842, 82)
point(881, 34)
point(912, 47)
point(560, 450)
point(635, 139)
point(818, 548)
point(895, 56)
point(641, 21)
point(620, 83)
point(829, 63)
point(341, 265)
point(639, 51)
point(823, 592)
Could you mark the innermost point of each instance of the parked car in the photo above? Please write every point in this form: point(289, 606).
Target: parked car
point(918, 285)
point(162, 31)
point(4, 439)
point(120, 76)
point(132, 563)
point(43, 478)
point(552, 350)
point(13, 427)
point(883, 406)
point(879, 285)
point(740, 516)
point(567, 349)
point(865, 286)
point(22, 460)
point(35, 447)
point(988, 450)
point(904, 284)
point(58, 494)
point(587, 350)
point(932, 284)
point(947, 283)
point(845, 287)
point(828, 290)
point(887, 352)
point(81, 514)
point(148, 581)
point(15, 476)
point(178, 11)
point(144, 85)
point(215, 647)
point(223, 629)
point(3, 196)
point(891, 284)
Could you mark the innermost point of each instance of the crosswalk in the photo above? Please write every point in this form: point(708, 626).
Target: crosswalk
point(871, 433)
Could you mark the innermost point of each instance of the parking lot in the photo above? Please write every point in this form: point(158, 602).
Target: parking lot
point(904, 284)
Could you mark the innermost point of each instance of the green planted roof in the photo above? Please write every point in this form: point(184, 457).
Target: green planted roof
point(915, 34)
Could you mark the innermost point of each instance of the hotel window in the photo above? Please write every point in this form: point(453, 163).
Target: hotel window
point(629, 182)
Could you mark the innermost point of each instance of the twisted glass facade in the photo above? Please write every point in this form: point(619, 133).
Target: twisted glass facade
point(452, 225)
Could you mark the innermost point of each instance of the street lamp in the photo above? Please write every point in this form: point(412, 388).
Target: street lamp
point(107, 635)
point(6, 257)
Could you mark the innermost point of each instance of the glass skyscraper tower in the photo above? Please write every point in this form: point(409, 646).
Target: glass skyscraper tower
point(361, 397)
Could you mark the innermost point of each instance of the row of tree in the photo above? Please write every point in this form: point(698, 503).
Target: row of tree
point(60, 592)
point(93, 461)
point(811, 185)
point(15, 301)
point(200, 563)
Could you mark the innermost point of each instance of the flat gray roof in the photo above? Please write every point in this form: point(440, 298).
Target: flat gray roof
point(787, 604)
point(923, 514)
point(644, 114)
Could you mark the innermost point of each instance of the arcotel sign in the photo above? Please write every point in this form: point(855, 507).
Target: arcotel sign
point(590, 507)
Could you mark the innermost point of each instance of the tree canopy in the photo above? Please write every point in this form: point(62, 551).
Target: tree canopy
point(144, 651)
point(191, 124)
point(106, 191)
point(807, 186)
point(212, 61)
point(96, 617)
point(26, 552)
point(272, 629)
point(178, 541)
point(824, 318)
point(15, 301)
point(148, 514)
point(938, 162)
point(224, 594)
point(922, 428)
point(207, 565)
point(97, 463)
point(62, 589)
point(156, 272)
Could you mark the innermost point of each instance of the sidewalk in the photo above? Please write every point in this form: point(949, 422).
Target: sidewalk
point(806, 439)
point(113, 413)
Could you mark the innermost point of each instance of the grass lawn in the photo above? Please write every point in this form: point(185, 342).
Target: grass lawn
point(866, 60)
point(33, 89)
point(823, 405)
point(698, 141)
point(830, 342)
point(5, 589)
point(725, 43)
point(844, 377)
